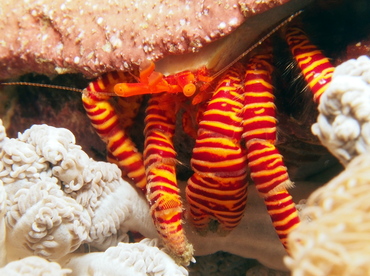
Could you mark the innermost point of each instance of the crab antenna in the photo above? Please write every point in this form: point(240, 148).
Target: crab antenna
point(258, 43)
point(43, 85)
point(52, 86)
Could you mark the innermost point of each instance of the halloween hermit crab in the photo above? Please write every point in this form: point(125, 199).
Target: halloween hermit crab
point(236, 131)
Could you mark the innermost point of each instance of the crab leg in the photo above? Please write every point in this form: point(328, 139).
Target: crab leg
point(160, 163)
point(265, 162)
point(316, 68)
point(105, 120)
point(218, 188)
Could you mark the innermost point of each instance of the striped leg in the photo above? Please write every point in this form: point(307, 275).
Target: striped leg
point(265, 162)
point(316, 68)
point(218, 188)
point(104, 119)
point(160, 163)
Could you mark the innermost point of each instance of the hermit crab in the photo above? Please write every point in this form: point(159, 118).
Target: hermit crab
point(230, 111)
point(239, 110)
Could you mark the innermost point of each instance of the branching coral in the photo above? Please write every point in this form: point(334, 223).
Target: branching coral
point(333, 238)
point(344, 121)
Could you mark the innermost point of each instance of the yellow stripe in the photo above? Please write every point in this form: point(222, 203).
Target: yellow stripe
point(325, 74)
point(266, 84)
point(216, 139)
point(234, 114)
point(269, 172)
point(313, 65)
point(155, 117)
point(119, 135)
point(256, 119)
point(263, 94)
point(158, 148)
point(276, 157)
point(306, 57)
point(280, 180)
point(125, 147)
point(100, 105)
point(257, 132)
point(160, 137)
point(154, 125)
point(221, 126)
point(139, 172)
point(260, 105)
point(258, 71)
point(106, 124)
point(220, 164)
point(212, 189)
point(228, 101)
point(130, 160)
point(266, 144)
point(279, 211)
point(214, 213)
point(285, 221)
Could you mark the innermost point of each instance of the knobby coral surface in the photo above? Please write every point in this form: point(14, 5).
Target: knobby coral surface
point(55, 199)
point(333, 238)
point(34, 266)
point(139, 259)
point(343, 125)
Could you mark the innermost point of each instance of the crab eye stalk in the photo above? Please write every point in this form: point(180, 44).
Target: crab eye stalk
point(189, 89)
point(130, 89)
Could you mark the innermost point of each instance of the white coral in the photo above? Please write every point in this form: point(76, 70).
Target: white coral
point(56, 198)
point(51, 143)
point(2, 224)
point(42, 221)
point(343, 125)
point(2, 134)
point(33, 266)
point(334, 237)
point(45, 153)
point(143, 258)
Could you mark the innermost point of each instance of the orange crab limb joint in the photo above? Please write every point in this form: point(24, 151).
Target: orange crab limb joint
point(186, 81)
point(152, 82)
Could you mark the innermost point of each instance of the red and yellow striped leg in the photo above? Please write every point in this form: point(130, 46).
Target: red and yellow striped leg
point(316, 68)
point(218, 188)
point(106, 123)
point(265, 162)
point(283, 213)
point(160, 163)
point(271, 179)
